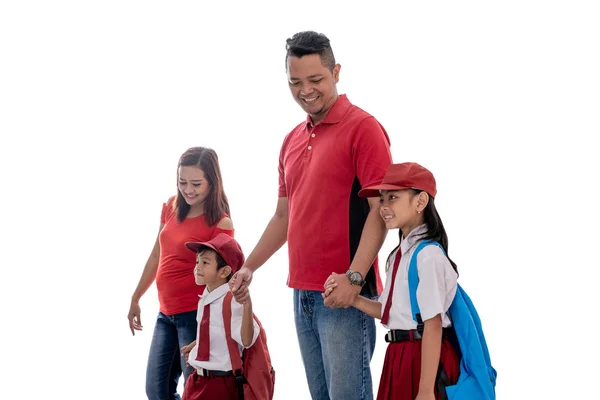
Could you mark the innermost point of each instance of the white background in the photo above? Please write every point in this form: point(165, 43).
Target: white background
point(98, 100)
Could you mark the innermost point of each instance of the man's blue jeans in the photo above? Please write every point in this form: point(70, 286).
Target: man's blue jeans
point(336, 346)
point(165, 363)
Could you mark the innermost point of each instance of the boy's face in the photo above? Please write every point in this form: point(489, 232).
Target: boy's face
point(206, 272)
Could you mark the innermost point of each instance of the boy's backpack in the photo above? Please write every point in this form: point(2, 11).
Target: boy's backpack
point(254, 374)
point(477, 379)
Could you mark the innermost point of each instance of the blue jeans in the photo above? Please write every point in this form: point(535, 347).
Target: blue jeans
point(165, 363)
point(336, 346)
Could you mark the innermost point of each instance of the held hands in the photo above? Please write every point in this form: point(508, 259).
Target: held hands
point(330, 284)
point(135, 317)
point(239, 283)
point(339, 293)
point(185, 351)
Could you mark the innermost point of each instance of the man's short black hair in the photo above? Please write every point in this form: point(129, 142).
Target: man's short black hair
point(310, 42)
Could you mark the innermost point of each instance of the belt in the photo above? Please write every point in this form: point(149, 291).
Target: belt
point(400, 335)
point(212, 374)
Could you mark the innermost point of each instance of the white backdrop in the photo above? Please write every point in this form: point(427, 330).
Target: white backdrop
point(99, 99)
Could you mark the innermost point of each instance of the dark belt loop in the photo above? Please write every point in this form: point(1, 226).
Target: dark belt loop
point(239, 382)
point(420, 324)
point(441, 381)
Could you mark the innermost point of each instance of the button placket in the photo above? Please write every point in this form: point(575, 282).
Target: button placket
point(312, 136)
point(309, 143)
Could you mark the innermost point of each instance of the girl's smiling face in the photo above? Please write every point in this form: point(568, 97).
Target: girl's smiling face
point(401, 209)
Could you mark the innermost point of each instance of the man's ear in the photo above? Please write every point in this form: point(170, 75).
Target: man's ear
point(336, 72)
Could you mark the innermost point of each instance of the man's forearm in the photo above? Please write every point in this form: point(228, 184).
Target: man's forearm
point(371, 240)
point(274, 236)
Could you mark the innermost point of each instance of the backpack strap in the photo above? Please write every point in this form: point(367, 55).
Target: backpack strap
point(232, 346)
point(234, 351)
point(413, 282)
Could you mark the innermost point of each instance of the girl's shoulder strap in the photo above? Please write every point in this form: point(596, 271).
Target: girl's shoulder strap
point(413, 278)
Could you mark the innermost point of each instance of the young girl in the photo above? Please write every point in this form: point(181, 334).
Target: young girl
point(419, 356)
point(198, 213)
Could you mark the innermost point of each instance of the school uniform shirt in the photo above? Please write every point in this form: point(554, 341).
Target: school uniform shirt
point(219, 353)
point(437, 284)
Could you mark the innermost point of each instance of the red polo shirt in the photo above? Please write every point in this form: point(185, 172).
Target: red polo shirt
point(321, 169)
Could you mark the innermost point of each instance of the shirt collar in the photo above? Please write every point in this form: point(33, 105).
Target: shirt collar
point(336, 113)
point(219, 292)
point(412, 238)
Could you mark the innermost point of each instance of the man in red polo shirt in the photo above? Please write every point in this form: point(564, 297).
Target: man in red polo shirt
point(323, 164)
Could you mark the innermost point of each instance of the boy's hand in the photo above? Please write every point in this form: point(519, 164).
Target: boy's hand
point(248, 301)
point(185, 351)
point(239, 283)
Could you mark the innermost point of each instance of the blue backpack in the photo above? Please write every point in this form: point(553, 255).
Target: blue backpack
point(477, 379)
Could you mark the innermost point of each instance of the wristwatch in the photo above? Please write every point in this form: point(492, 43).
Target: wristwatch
point(355, 278)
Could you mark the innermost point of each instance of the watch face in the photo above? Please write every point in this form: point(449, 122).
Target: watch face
point(356, 278)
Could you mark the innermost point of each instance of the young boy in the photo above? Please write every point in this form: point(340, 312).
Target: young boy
point(216, 261)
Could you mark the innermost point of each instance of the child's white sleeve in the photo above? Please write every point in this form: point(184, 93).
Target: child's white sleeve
point(437, 282)
point(237, 311)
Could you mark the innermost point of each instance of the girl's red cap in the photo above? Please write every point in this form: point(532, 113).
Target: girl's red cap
point(407, 175)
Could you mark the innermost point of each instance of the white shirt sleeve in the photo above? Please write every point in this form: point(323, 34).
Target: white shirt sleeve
point(437, 282)
point(237, 311)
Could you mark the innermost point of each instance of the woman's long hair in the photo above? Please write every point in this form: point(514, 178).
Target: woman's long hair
point(216, 203)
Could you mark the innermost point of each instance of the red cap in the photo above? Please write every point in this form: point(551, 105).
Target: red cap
point(407, 175)
point(226, 246)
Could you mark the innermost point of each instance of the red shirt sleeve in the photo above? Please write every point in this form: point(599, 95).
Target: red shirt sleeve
point(226, 231)
point(167, 209)
point(371, 152)
point(282, 192)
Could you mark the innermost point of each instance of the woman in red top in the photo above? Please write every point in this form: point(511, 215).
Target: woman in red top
point(197, 213)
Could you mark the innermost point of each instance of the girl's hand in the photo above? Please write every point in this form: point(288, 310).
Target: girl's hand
point(330, 284)
point(425, 396)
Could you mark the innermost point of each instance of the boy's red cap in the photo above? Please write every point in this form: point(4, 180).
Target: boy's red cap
point(226, 246)
point(407, 175)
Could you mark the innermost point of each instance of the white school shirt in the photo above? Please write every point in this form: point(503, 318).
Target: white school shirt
point(219, 352)
point(437, 284)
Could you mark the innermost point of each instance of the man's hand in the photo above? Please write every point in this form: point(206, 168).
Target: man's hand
point(239, 283)
point(344, 295)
